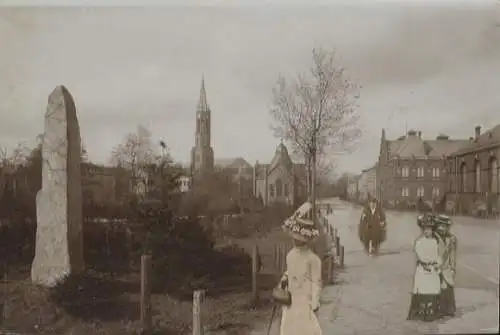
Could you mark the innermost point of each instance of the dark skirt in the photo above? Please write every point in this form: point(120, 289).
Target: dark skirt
point(424, 307)
point(447, 306)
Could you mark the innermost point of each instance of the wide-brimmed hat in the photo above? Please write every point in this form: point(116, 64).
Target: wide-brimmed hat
point(443, 220)
point(426, 220)
point(301, 230)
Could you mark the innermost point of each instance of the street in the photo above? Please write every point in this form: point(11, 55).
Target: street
point(372, 294)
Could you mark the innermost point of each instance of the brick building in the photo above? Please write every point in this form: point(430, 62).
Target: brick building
point(473, 186)
point(412, 170)
point(353, 188)
point(367, 184)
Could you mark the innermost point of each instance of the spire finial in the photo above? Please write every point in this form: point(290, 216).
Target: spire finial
point(202, 103)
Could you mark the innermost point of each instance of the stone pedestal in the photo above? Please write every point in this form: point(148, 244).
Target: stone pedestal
point(59, 239)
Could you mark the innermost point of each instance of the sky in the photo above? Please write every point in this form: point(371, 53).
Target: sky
point(434, 67)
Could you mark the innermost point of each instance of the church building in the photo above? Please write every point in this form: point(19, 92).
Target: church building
point(281, 180)
point(202, 154)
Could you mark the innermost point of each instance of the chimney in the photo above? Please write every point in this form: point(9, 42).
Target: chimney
point(419, 134)
point(477, 131)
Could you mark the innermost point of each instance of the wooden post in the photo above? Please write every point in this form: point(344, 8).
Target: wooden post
point(341, 258)
point(255, 293)
point(197, 324)
point(275, 255)
point(278, 257)
point(329, 270)
point(283, 258)
point(337, 245)
point(145, 302)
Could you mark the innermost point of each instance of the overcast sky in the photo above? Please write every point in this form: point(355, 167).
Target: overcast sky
point(435, 67)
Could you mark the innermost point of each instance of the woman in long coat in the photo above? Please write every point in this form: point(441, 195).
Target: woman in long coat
point(448, 252)
point(424, 303)
point(303, 280)
point(372, 227)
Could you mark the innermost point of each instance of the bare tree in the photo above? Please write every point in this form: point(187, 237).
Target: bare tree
point(316, 113)
point(135, 154)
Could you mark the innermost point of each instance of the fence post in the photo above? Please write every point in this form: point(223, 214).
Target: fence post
point(337, 245)
point(329, 270)
point(341, 259)
point(275, 255)
point(283, 258)
point(145, 302)
point(197, 324)
point(255, 293)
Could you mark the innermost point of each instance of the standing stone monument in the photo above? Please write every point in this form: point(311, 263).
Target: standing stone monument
point(59, 239)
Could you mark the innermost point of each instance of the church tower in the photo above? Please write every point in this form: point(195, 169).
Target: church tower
point(202, 154)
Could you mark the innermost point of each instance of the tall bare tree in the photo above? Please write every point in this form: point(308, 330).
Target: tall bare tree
point(135, 154)
point(316, 112)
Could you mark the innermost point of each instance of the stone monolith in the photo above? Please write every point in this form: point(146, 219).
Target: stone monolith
point(59, 239)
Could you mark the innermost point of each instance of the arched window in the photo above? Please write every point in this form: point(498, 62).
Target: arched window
point(493, 172)
point(285, 190)
point(271, 191)
point(477, 180)
point(463, 175)
point(279, 187)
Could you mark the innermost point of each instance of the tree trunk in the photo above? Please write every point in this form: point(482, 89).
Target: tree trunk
point(313, 188)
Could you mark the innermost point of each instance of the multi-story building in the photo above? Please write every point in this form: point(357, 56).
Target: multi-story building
point(474, 182)
point(353, 188)
point(412, 170)
point(202, 154)
point(367, 184)
point(281, 180)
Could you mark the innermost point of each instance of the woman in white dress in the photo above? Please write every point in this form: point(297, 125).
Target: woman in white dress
point(303, 280)
point(424, 304)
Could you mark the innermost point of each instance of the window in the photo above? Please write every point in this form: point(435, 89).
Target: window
point(271, 191)
point(478, 177)
point(435, 192)
point(463, 175)
point(420, 172)
point(405, 192)
point(493, 175)
point(405, 172)
point(279, 188)
point(420, 191)
point(285, 190)
point(435, 173)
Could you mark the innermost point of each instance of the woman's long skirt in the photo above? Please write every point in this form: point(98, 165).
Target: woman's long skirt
point(447, 304)
point(424, 307)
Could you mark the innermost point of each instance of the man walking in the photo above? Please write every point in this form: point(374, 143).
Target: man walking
point(372, 226)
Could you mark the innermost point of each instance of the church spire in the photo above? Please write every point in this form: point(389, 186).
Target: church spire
point(202, 103)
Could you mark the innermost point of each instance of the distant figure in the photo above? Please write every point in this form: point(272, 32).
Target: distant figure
point(448, 253)
point(303, 280)
point(372, 227)
point(424, 305)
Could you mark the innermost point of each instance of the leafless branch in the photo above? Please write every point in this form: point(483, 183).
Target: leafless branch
point(316, 112)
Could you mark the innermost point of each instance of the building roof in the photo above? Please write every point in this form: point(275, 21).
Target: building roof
point(232, 163)
point(413, 146)
point(489, 138)
point(202, 102)
point(281, 158)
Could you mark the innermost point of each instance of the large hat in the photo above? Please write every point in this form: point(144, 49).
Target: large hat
point(301, 230)
point(426, 220)
point(443, 220)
